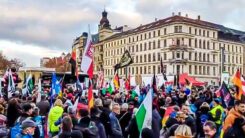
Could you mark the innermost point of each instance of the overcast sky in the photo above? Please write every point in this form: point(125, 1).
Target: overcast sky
point(31, 29)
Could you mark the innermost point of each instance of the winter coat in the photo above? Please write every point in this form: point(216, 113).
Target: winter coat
point(132, 129)
point(72, 134)
point(115, 126)
point(156, 123)
point(230, 119)
point(54, 115)
point(44, 108)
point(124, 121)
point(105, 120)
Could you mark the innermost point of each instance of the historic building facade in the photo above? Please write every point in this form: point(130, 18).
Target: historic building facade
point(185, 45)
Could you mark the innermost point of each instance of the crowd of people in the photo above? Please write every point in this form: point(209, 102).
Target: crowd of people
point(175, 114)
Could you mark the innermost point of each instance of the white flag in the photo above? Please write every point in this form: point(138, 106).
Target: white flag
point(39, 91)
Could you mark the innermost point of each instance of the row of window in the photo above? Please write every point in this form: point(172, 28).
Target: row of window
point(233, 59)
point(200, 32)
point(201, 70)
point(137, 70)
point(142, 36)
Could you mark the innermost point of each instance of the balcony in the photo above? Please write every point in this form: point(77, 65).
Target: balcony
point(178, 60)
point(179, 47)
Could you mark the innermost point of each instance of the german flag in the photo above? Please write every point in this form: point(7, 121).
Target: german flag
point(73, 63)
point(90, 95)
point(238, 83)
point(116, 81)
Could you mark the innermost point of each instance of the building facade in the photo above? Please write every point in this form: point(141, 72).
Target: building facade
point(186, 45)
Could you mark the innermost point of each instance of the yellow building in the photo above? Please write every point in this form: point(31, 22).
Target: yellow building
point(35, 71)
point(186, 45)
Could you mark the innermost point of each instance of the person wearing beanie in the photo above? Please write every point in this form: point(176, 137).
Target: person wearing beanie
point(95, 114)
point(27, 129)
point(215, 114)
point(69, 100)
point(201, 117)
point(54, 115)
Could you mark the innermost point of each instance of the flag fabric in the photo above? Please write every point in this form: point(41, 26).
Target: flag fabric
point(167, 113)
point(238, 83)
point(103, 91)
point(243, 83)
point(100, 80)
point(111, 88)
point(188, 87)
point(56, 87)
point(73, 63)
point(39, 91)
point(225, 95)
point(127, 83)
point(87, 59)
point(144, 113)
point(11, 85)
point(74, 108)
point(169, 88)
point(154, 84)
point(163, 70)
point(125, 61)
point(136, 91)
point(116, 81)
point(29, 84)
point(90, 95)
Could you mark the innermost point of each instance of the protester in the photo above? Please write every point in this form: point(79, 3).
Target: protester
point(216, 113)
point(13, 112)
point(44, 106)
point(66, 129)
point(54, 115)
point(183, 131)
point(115, 125)
point(27, 129)
point(210, 130)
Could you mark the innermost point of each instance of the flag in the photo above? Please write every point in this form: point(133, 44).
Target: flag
point(74, 108)
point(243, 84)
point(39, 91)
point(11, 85)
point(103, 91)
point(29, 84)
point(127, 83)
point(116, 81)
point(100, 80)
point(90, 95)
point(169, 88)
point(73, 63)
point(238, 83)
point(225, 95)
point(144, 113)
point(163, 70)
point(136, 91)
point(56, 87)
point(111, 88)
point(188, 87)
point(167, 113)
point(154, 84)
point(125, 61)
point(87, 59)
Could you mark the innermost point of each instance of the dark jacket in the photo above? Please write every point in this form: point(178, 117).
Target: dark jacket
point(115, 126)
point(124, 119)
point(73, 134)
point(101, 128)
point(44, 108)
point(12, 114)
point(235, 131)
point(105, 120)
point(132, 129)
point(191, 122)
point(156, 123)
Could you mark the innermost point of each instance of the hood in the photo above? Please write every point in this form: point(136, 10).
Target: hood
point(57, 110)
point(235, 113)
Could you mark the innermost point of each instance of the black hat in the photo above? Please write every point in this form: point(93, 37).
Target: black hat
point(26, 107)
point(28, 123)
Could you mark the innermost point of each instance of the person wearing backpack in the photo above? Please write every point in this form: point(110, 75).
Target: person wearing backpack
point(27, 129)
point(39, 122)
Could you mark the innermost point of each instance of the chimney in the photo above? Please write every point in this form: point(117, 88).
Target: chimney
point(155, 19)
point(198, 17)
point(172, 13)
point(179, 13)
point(186, 15)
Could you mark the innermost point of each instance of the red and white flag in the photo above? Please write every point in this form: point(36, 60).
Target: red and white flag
point(100, 80)
point(87, 59)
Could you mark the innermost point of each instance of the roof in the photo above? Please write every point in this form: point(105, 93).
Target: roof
point(37, 69)
point(178, 18)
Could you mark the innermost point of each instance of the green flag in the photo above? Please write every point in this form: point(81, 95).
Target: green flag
point(110, 89)
point(103, 91)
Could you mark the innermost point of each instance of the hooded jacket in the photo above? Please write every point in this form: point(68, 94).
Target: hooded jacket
point(230, 119)
point(55, 113)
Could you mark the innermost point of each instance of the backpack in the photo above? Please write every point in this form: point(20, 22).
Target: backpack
point(16, 130)
point(89, 132)
point(39, 122)
point(203, 119)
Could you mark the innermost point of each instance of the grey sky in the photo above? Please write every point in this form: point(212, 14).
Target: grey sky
point(51, 25)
